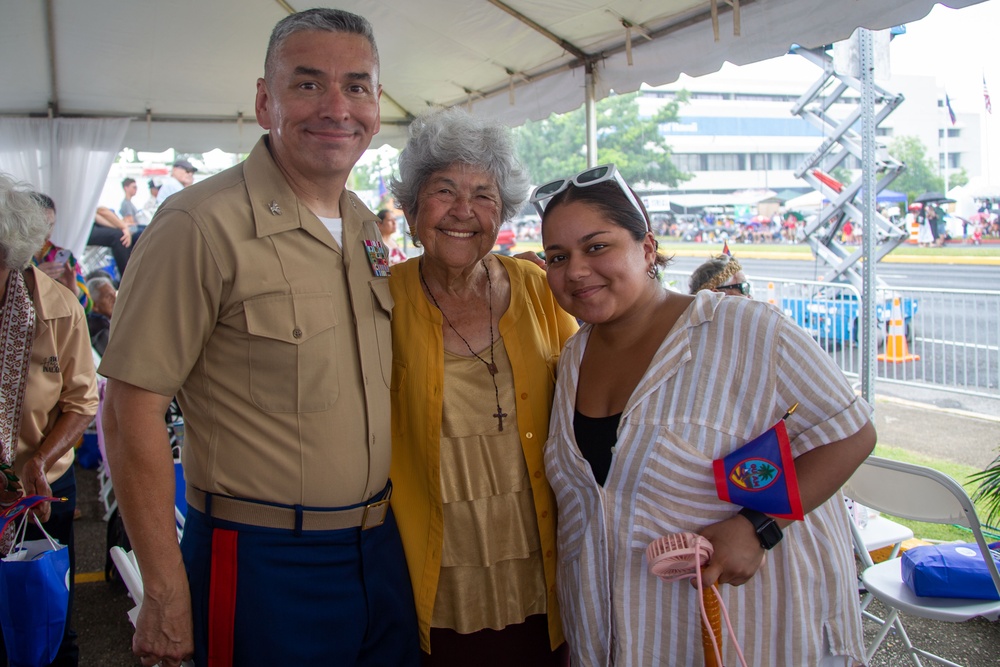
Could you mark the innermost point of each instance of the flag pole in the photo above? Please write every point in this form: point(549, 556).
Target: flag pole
point(988, 108)
point(944, 167)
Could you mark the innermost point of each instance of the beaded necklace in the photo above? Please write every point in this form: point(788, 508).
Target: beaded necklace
point(491, 364)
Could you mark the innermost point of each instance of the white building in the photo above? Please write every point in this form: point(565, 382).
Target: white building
point(736, 131)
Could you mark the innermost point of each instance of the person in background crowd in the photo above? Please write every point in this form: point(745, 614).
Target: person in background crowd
point(112, 232)
point(181, 176)
point(131, 215)
point(933, 217)
point(654, 387)
point(475, 340)
point(59, 263)
point(387, 225)
point(149, 208)
point(721, 273)
point(49, 391)
point(104, 295)
point(260, 298)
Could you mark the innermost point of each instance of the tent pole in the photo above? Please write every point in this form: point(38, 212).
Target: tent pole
point(590, 105)
point(869, 342)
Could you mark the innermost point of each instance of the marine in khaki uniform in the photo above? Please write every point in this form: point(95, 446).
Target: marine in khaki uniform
point(260, 297)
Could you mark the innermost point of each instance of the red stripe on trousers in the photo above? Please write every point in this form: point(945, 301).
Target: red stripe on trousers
point(222, 598)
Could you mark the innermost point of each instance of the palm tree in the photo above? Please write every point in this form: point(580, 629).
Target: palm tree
point(989, 490)
point(766, 472)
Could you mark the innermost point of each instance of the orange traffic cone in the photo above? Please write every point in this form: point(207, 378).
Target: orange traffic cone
point(896, 349)
point(771, 295)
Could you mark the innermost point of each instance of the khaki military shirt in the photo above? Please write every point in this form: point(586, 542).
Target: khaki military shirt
point(275, 339)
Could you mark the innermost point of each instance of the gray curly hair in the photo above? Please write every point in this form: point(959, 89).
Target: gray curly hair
point(23, 225)
point(445, 137)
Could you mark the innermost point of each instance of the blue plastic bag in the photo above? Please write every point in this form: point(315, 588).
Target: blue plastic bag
point(34, 596)
point(949, 571)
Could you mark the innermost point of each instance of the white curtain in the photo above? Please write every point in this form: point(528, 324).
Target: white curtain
point(67, 159)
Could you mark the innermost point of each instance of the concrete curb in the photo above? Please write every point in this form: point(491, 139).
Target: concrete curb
point(934, 408)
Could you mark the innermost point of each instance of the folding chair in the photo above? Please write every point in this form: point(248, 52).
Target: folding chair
point(878, 533)
point(105, 491)
point(919, 494)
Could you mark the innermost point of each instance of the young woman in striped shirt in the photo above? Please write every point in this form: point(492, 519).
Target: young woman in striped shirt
point(653, 388)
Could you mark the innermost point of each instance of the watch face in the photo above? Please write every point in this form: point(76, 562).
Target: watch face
point(770, 534)
point(768, 531)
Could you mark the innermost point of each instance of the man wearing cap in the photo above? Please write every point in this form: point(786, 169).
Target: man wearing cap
point(181, 176)
point(259, 298)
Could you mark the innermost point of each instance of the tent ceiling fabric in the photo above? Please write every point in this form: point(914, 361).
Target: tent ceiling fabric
point(193, 64)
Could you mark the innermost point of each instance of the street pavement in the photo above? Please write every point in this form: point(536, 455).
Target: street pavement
point(961, 429)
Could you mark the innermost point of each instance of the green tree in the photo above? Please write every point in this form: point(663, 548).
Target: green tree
point(556, 146)
point(373, 165)
point(920, 174)
point(960, 177)
point(842, 174)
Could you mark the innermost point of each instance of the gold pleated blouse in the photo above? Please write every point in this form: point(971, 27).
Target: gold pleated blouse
point(491, 565)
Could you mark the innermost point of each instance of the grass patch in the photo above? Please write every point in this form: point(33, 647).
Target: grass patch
point(960, 473)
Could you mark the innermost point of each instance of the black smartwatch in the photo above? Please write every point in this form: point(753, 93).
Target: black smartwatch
point(767, 529)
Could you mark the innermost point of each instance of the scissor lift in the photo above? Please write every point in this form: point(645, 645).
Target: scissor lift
point(841, 140)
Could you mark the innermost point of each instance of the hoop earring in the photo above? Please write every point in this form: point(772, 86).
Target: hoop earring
point(652, 272)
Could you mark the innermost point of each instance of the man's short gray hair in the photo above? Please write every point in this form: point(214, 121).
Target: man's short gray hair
point(23, 225)
point(323, 19)
point(442, 138)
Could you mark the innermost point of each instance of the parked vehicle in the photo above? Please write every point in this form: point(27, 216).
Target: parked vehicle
point(834, 319)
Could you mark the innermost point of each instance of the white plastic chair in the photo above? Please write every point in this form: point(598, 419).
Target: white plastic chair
point(918, 493)
point(105, 491)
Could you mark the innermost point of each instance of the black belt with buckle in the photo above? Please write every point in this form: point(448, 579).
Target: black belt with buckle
point(266, 515)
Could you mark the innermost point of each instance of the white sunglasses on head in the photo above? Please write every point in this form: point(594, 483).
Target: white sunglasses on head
point(592, 176)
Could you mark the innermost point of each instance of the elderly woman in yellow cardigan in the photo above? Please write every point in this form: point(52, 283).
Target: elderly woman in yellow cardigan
point(476, 337)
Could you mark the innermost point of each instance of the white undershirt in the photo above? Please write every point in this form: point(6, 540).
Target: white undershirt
point(336, 227)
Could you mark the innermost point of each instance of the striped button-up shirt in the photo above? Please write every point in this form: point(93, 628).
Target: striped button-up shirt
point(726, 372)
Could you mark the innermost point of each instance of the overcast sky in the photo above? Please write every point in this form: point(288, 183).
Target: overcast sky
point(955, 46)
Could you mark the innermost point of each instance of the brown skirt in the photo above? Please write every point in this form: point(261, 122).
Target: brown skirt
point(525, 644)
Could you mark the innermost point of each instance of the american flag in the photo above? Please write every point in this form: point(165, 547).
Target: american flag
point(951, 113)
point(986, 97)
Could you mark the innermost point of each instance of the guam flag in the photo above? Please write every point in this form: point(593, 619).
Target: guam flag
point(760, 475)
point(8, 514)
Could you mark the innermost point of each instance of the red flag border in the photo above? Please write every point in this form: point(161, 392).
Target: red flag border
point(787, 463)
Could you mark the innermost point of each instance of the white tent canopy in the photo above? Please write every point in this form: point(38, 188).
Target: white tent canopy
point(183, 72)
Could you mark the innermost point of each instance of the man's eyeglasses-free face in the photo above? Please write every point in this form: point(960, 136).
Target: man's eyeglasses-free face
point(592, 176)
point(744, 288)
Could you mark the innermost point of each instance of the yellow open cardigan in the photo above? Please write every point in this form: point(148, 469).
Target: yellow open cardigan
point(534, 329)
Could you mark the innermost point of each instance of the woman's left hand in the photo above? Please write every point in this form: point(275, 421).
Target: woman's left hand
point(62, 273)
point(737, 552)
point(532, 257)
point(33, 483)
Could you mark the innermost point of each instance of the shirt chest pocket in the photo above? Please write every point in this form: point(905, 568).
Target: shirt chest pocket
point(292, 352)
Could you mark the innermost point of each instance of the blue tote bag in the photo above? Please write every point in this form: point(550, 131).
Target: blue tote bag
point(34, 592)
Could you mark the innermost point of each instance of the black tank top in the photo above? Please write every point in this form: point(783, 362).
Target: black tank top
point(596, 436)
